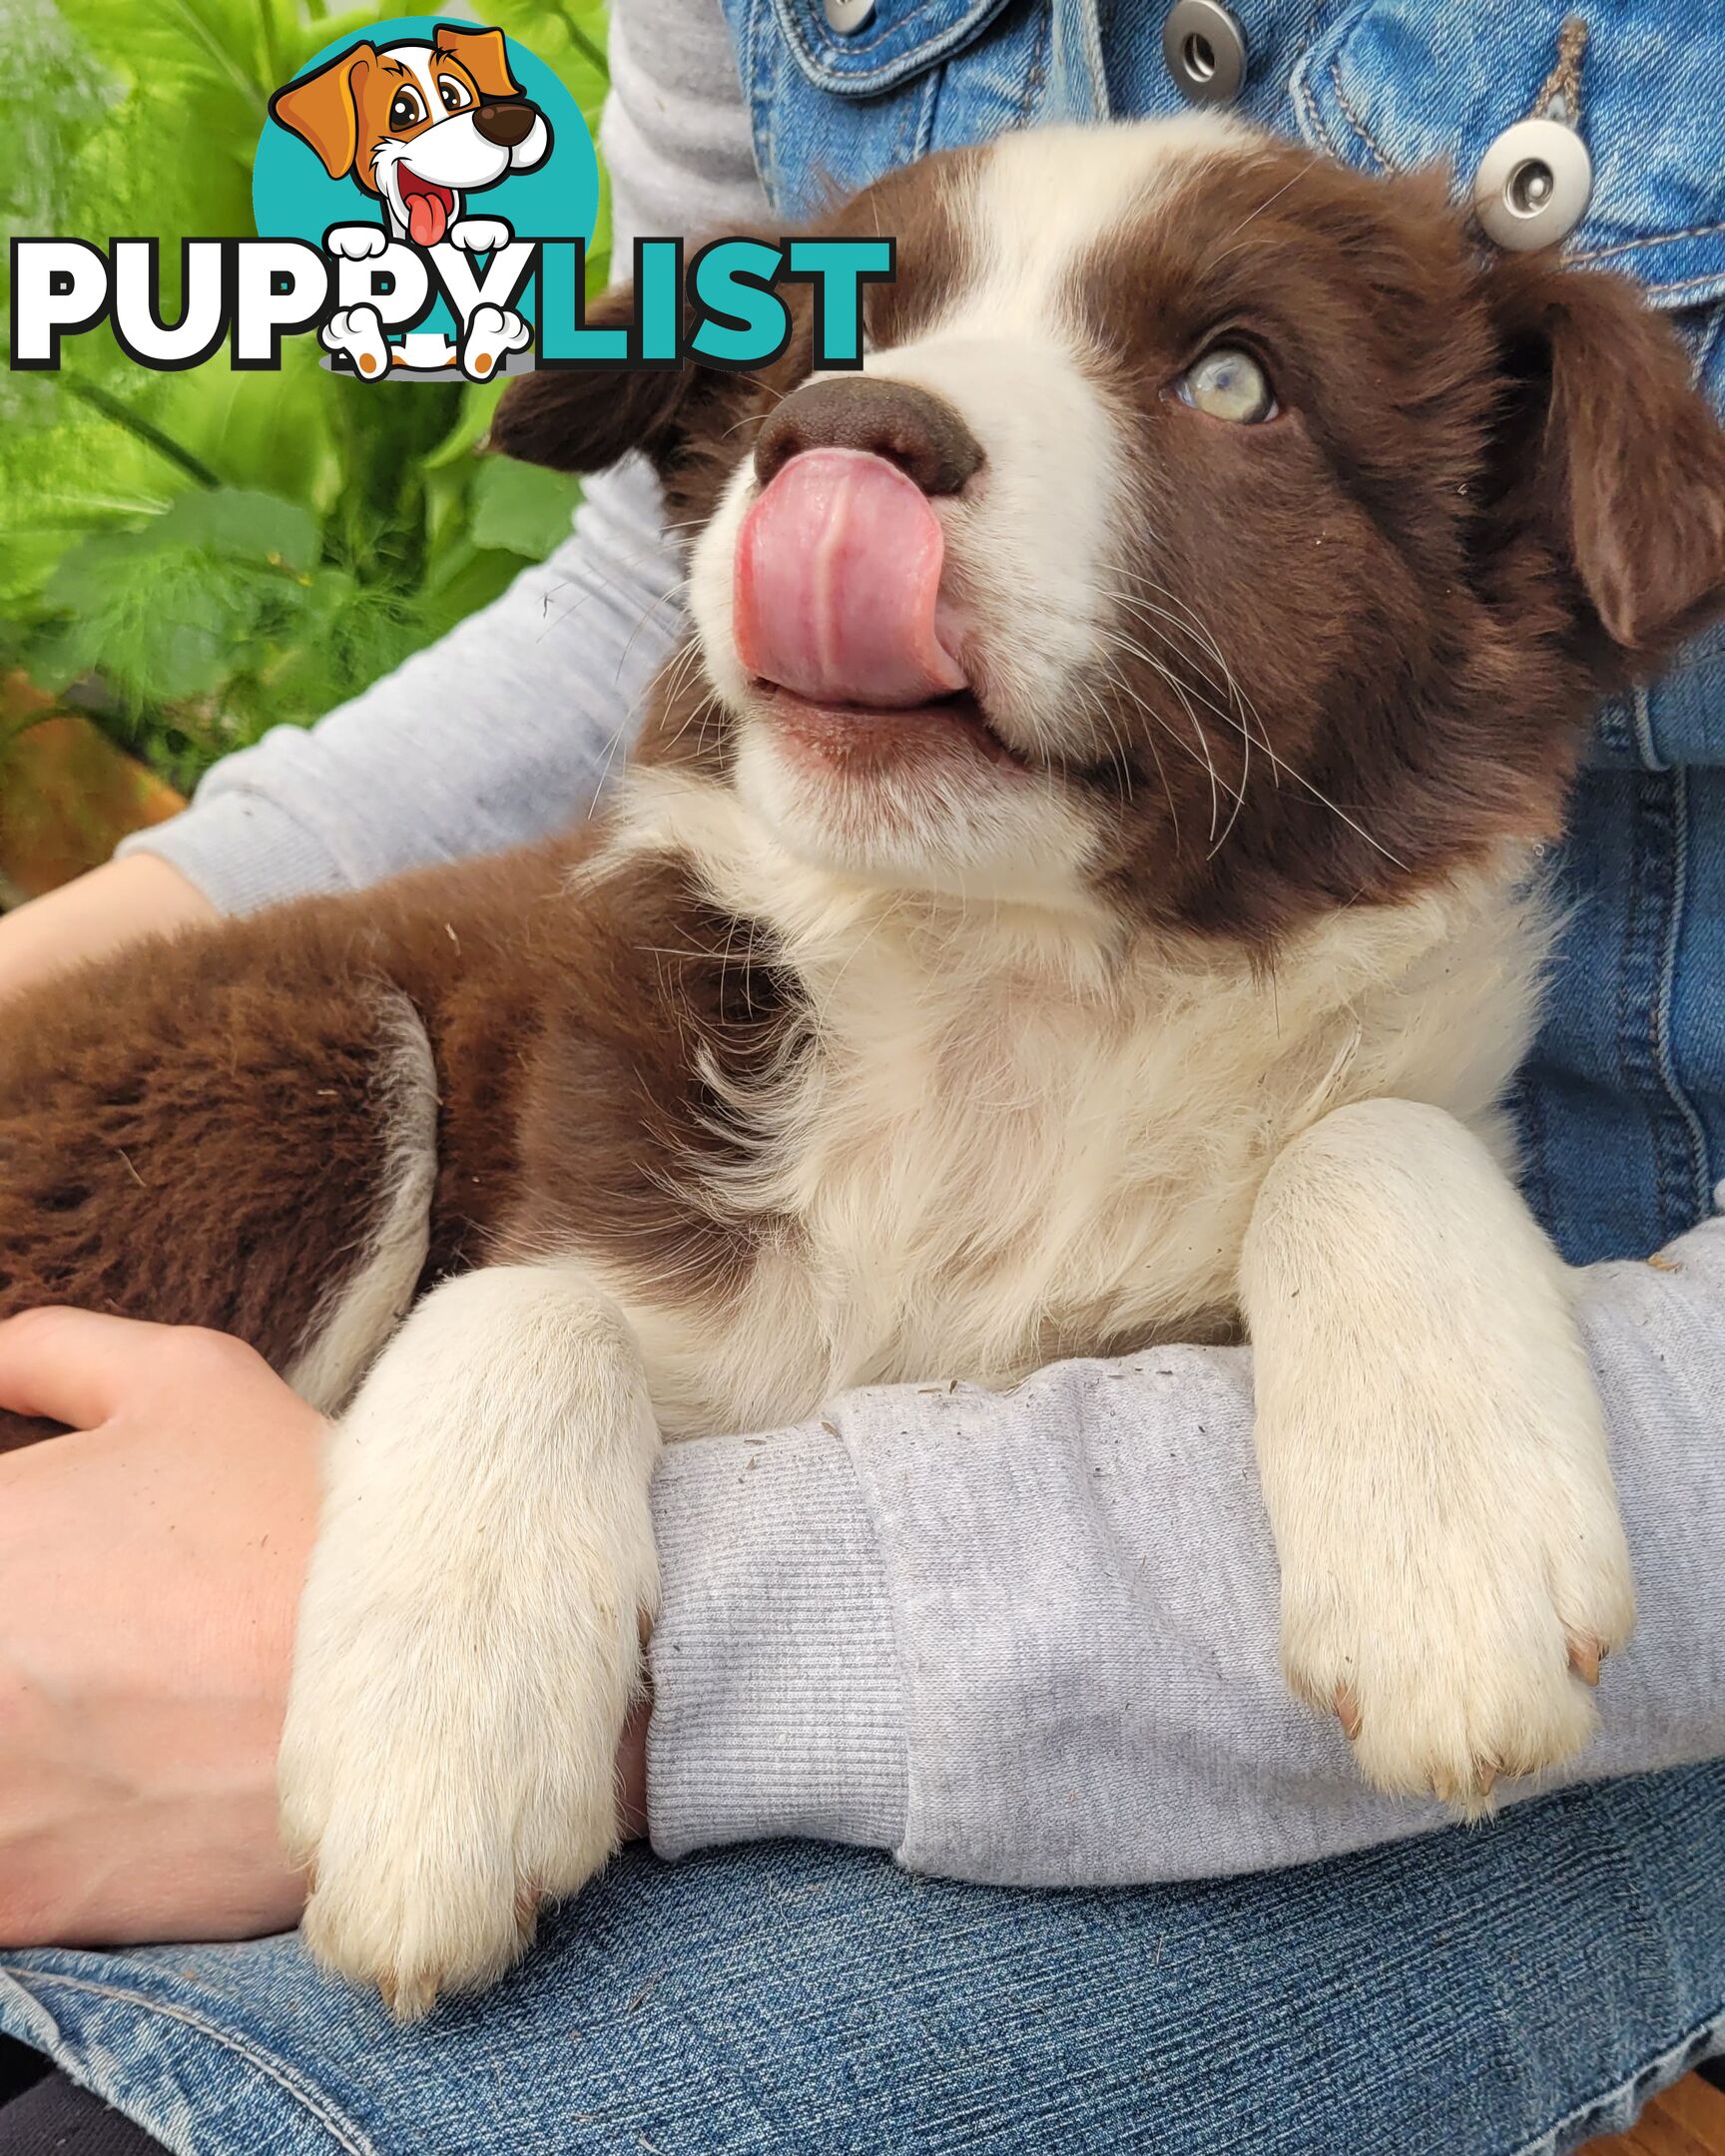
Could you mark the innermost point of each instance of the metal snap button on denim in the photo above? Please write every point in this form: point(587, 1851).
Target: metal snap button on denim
point(1205, 50)
point(1533, 184)
point(846, 17)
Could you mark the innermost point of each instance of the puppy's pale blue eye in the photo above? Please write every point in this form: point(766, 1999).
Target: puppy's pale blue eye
point(1228, 383)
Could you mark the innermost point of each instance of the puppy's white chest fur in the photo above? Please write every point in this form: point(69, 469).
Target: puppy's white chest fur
point(1004, 1137)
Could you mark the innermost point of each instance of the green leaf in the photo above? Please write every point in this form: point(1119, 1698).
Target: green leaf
point(353, 525)
point(467, 579)
point(478, 404)
point(522, 508)
point(274, 432)
point(159, 624)
point(240, 524)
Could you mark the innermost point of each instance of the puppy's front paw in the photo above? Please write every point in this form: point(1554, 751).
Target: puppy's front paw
point(444, 1769)
point(1457, 1624)
point(469, 1632)
point(1432, 1454)
point(417, 1903)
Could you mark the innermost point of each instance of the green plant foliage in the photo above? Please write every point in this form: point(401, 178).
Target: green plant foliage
point(197, 557)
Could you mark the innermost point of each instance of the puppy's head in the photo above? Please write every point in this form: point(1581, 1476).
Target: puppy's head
point(1208, 526)
point(420, 123)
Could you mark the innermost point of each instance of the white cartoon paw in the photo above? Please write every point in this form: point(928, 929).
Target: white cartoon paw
point(479, 235)
point(355, 243)
point(491, 333)
point(358, 331)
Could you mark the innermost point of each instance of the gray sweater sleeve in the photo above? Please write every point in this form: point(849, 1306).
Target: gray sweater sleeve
point(500, 733)
point(1033, 1638)
point(506, 729)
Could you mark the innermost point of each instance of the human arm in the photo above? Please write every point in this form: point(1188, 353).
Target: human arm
point(97, 913)
point(1028, 1638)
point(1033, 1638)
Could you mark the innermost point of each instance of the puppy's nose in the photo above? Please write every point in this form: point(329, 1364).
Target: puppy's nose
point(507, 124)
point(909, 427)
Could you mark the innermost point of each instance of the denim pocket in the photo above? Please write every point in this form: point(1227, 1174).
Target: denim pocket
point(1394, 84)
point(834, 110)
point(900, 39)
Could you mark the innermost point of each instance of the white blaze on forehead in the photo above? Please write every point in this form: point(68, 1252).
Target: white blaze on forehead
point(1045, 198)
point(1036, 543)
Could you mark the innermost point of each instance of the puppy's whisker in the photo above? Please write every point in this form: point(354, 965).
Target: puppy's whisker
point(1166, 674)
point(1232, 691)
point(1199, 756)
point(1121, 756)
point(1238, 792)
point(1268, 203)
point(1200, 632)
point(1300, 779)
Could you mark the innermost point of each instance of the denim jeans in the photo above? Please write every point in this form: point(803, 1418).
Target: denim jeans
point(1506, 1990)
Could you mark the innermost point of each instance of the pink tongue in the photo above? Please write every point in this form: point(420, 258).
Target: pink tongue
point(837, 578)
point(426, 218)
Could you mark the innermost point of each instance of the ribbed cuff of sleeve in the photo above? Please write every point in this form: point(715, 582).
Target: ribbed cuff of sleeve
point(778, 1707)
point(242, 851)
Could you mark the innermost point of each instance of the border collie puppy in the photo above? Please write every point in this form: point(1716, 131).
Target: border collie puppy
point(1078, 888)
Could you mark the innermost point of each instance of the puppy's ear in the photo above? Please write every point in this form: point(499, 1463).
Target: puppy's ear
point(323, 109)
point(583, 419)
point(1613, 454)
point(484, 53)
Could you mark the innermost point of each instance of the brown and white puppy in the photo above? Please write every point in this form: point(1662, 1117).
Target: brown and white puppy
point(1078, 891)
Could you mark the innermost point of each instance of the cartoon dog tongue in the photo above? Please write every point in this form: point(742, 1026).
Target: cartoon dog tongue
point(838, 584)
point(427, 214)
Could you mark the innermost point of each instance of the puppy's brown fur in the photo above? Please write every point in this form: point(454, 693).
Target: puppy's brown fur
point(193, 1132)
point(196, 1132)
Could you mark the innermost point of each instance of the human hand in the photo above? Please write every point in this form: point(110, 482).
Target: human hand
point(110, 908)
point(149, 1569)
point(151, 1564)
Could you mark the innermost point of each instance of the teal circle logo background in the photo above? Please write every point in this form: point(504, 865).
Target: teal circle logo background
point(294, 198)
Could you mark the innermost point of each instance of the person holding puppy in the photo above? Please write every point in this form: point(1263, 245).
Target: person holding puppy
point(844, 1653)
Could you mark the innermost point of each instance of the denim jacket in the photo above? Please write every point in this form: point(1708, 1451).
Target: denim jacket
point(1623, 1104)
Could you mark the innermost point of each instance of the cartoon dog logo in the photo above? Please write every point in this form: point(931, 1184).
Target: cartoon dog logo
point(420, 125)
